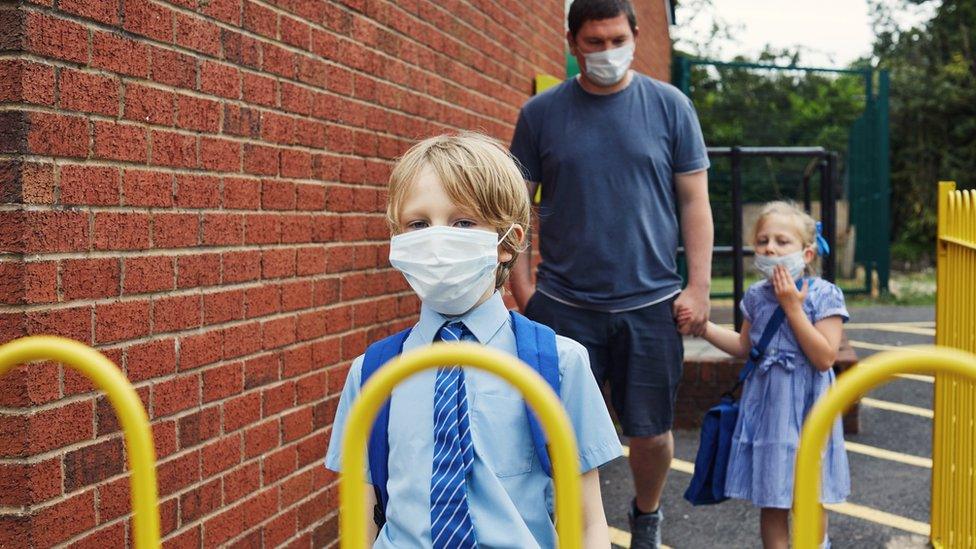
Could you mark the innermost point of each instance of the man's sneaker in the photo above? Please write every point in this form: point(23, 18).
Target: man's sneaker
point(645, 529)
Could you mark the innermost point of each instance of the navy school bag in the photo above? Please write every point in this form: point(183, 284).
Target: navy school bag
point(536, 346)
point(712, 462)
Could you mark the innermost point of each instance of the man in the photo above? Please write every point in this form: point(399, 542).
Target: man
point(619, 156)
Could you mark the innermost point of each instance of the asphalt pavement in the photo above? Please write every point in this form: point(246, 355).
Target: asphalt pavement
point(890, 459)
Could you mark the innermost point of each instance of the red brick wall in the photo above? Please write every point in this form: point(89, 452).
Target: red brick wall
point(653, 55)
point(195, 187)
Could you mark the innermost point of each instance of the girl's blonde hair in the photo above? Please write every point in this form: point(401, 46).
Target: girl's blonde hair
point(806, 227)
point(478, 174)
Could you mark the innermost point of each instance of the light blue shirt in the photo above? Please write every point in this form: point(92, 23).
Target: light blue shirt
point(508, 492)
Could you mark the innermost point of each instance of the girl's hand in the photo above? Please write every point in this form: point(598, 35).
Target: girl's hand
point(786, 293)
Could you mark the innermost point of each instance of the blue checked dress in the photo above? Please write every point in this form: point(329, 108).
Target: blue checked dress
point(775, 400)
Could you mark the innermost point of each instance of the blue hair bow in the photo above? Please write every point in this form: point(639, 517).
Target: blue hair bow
point(822, 247)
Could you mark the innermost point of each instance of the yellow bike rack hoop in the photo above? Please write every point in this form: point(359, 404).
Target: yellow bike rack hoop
point(128, 408)
point(543, 401)
point(875, 370)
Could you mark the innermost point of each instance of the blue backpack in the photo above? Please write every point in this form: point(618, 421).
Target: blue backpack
point(536, 346)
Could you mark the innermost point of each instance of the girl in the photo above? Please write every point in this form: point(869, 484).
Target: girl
point(794, 371)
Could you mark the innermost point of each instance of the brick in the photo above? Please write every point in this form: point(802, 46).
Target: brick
point(296, 295)
point(57, 135)
point(90, 278)
point(120, 142)
point(12, 282)
point(297, 487)
point(277, 195)
point(164, 437)
point(197, 34)
point(242, 339)
point(277, 399)
point(197, 191)
point(200, 350)
point(223, 381)
point(199, 426)
point(148, 274)
point(113, 499)
point(220, 79)
point(280, 464)
point(279, 530)
point(310, 197)
point(175, 395)
point(58, 38)
point(150, 360)
point(241, 121)
point(72, 323)
point(241, 193)
point(25, 484)
point(261, 438)
point(93, 463)
point(146, 104)
point(296, 424)
point(262, 301)
point(113, 535)
point(176, 313)
point(296, 33)
point(87, 92)
point(262, 229)
point(175, 230)
point(297, 164)
point(228, 11)
point(279, 332)
point(311, 325)
point(40, 282)
point(198, 270)
point(260, 160)
point(240, 266)
point(106, 11)
point(258, 89)
point(220, 155)
point(241, 49)
point(194, 113)
point(27, 82)
point(276, 263)
point(64, 519)
point(178, 473)
point(241, 411)
point(146, 188)
point(297, 229)
point(89, 185)
point(221, 455)
point(280, 61)
point(46, 430)
point(223, 527)
point(223, 307)
point(121, 321)
point(261, 371)
point(174, 149)
point(260, 20)
point(148, 19)
point(310, 261)
point(121, 231)
point(311, 388)
point(200, 501)
point(223, 229)
point(116, 53)
point(278, 128)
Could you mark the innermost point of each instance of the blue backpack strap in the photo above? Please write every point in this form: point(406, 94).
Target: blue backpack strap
point(378, 447)
point(536, 346)
point(757, 351)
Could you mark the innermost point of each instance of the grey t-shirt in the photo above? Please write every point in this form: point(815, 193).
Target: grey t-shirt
point(609, 227)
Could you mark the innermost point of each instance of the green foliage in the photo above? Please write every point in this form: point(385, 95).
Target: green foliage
point(933, 115)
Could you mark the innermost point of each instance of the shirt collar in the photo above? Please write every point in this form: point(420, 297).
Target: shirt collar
point(483, 321)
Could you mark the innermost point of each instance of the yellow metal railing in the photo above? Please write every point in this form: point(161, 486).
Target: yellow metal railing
point(953, 430)
point(541, 398)
point(132, 417)
point(869, 373)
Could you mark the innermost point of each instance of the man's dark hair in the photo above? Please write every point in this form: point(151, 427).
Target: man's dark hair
point(581, 11)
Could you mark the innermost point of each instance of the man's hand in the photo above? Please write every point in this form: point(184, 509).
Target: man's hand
point(691, 310)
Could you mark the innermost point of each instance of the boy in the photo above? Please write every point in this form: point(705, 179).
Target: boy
point(458, 209)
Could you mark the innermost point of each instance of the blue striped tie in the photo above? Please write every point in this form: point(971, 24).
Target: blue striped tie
point(450, 518)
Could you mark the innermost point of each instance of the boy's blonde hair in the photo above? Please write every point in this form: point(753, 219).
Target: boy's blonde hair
point(478, 174)
point(806, 227)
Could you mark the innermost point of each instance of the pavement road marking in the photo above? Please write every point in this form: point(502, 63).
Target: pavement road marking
point(850, 509)
point(891, 327)
point(857, 344)
point(917, 377)
point(897, 407)
point(889, 455)
point(621, 538)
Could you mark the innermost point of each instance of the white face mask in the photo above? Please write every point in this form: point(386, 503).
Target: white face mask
point(609, 67)
point(793, 262)
point(449, 268)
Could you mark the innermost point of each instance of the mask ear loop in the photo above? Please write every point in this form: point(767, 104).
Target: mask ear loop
point(504, 236)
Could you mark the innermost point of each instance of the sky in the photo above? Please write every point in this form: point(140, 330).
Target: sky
point(831, 32)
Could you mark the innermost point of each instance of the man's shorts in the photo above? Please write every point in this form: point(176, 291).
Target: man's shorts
point(639, 352)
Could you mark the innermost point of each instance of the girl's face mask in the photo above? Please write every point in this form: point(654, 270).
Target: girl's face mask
point(449, 268)
point(794, 263)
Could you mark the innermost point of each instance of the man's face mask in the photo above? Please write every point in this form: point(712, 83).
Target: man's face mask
point(609, 67)
point(793, 262)
point(449, 268)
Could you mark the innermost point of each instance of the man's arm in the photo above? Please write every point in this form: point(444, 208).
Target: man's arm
point(521, 275)
point(697, 234)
